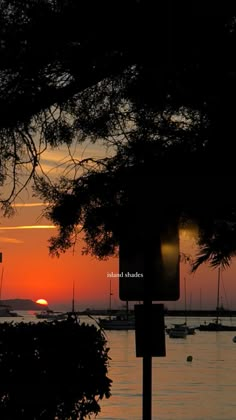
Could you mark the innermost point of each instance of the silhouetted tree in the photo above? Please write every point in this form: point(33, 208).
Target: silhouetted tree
point(52, 370)
point(155, 84)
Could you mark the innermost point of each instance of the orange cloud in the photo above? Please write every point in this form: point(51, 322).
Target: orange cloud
point(28, 227)
point(29, 204)
point(6, 240)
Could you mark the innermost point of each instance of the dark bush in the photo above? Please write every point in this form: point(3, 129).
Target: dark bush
point(52, 370)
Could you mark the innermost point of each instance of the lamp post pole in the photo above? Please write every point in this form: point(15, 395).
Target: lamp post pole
point(147, 363)
point(149, 266)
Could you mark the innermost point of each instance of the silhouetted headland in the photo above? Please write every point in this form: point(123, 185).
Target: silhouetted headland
point(23, 304)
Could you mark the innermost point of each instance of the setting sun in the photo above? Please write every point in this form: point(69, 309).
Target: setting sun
point(42, 301)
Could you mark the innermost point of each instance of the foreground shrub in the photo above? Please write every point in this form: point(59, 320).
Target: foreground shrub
point(52, 371)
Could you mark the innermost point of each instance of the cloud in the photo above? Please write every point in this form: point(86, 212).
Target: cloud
point(29, 204)
point(61, 160)
point(6, 240)
point(27, 227)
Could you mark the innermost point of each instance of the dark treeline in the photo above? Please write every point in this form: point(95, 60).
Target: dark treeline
point(154, 83)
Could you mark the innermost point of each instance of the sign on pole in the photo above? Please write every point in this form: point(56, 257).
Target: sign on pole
point(149, 246)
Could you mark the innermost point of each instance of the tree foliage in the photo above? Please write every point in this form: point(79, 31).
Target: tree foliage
point(52, 370)
point(155, 84)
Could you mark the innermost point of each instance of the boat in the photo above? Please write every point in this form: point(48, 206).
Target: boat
point(180, 328)
point(117, 322)
point(51, 315)
point(177, 331)
point(121, 321)
point(216, 324)
point(183, 329)
point(190, 329)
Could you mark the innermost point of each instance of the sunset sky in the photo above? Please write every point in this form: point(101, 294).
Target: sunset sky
point(30, 273)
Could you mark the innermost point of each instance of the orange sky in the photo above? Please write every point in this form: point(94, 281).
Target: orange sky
point(30, 273)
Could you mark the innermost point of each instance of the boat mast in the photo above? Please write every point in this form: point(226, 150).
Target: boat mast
point(127, 309)
point(200, 299)
point(73, 298)
point(1, 284)
point(185, 300)
point(218, 297)
point(110, 295)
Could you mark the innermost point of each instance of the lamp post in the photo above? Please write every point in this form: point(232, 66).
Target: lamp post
point(149, 264)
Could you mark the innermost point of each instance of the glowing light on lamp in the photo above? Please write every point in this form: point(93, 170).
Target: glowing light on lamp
point(189, 232)
point(170, 254)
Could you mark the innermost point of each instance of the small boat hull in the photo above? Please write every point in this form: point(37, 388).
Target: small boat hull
point(117, 324)
point(212, 326)
point(51, 315)
point(177, 331)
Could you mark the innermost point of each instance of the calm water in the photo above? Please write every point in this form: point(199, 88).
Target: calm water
point(203, 389)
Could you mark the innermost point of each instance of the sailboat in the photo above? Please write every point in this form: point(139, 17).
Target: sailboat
point(216, 324)
point(49, 314)
point(118, 322)
point(190, 329)
point(122, 321)
point(74, 314)
point(183, 329)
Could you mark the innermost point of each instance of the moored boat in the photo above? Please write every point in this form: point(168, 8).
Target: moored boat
point(177, 331)
point(117, 323)
point(216, 324)
point(51, 315)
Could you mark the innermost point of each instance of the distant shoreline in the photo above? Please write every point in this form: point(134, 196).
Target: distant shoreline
point(28, 304)
point(168, 312)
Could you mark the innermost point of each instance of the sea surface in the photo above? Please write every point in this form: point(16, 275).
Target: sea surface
point(203, 389)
